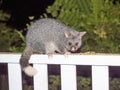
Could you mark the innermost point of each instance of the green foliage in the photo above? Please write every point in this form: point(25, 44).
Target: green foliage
point(54, 82)
point(4, 15)
point(69, 11)
point(11, 39)
point(114, 83)
point(100, 18)
point(83, 83)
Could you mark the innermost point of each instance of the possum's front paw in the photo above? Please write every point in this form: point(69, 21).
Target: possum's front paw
point(66, 54)
point(30, 71)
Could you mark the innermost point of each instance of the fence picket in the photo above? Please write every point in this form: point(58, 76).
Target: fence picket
point(41, 78)
point(68, 77)
point(99, 63)
point(14, 75)
point(100, 78)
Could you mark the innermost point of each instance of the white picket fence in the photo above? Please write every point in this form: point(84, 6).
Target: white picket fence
point(99, 64)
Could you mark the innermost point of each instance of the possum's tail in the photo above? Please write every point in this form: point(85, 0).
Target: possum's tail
point(24, 62)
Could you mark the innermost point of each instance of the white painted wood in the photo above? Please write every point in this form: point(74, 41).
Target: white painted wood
point(99, 63)
point(100, 78)
point(68, 77)
point(108, 60)
point(9, 58)
point(41, 78)
point(14, 75)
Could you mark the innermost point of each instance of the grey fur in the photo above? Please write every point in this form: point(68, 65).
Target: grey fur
point(50, 36)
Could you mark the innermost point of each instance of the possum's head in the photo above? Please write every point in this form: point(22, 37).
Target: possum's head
point(74, 40)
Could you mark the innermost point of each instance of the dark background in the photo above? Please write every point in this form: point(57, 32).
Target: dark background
point(20, 10)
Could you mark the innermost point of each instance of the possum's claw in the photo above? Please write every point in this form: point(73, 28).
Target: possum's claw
point(66, 54)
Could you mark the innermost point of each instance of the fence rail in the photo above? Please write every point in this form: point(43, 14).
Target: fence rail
point(99, 64)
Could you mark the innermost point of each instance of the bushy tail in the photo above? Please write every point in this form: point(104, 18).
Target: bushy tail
point(24, 62)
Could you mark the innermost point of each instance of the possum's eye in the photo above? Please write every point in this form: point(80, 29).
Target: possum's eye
point(76, 44)
point(69, 43)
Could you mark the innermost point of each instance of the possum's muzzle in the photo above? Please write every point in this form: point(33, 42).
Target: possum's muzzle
point(73, 49)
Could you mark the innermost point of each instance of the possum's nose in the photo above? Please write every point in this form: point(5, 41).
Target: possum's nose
point(73, 49)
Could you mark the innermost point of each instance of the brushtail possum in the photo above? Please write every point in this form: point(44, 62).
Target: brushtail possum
point(49, 36)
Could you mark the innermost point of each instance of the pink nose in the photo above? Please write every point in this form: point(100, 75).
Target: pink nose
point(73, 49)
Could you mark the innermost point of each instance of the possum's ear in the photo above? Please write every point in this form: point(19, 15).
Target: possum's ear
point(81, 34)
point(67, 34)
